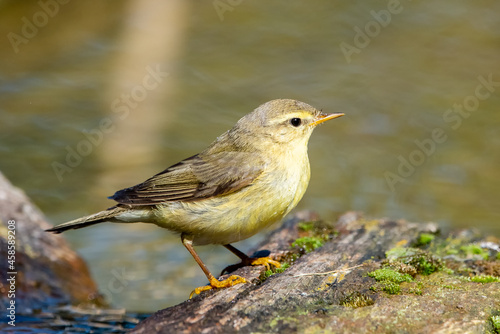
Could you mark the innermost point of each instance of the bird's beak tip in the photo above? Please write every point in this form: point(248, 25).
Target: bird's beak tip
point(326, 117)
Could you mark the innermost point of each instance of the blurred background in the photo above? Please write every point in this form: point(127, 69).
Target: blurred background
point(99, 96)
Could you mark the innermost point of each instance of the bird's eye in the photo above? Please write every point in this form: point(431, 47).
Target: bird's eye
point(295, 122)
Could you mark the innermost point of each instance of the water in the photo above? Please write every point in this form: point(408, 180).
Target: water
point(70, 319)
point(152, 83)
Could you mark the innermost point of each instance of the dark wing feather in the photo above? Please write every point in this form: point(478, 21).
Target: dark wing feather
point(195, 178)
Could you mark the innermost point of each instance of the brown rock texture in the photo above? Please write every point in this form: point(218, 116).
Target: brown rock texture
point(48, 272)
point(367, 276)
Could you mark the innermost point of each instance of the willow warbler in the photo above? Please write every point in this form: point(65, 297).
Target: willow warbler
point(249, 178)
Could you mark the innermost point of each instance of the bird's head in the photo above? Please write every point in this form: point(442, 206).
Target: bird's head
point(283, 121)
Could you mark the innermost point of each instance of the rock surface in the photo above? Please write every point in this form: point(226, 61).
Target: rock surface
point(46, 271)
point(366, 276)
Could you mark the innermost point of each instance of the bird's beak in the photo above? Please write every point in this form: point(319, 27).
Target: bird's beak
point(325, 117)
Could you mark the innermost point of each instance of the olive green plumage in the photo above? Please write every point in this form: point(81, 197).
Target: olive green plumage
point(249, 178)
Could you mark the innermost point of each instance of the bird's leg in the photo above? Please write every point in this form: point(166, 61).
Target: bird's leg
point(251, 261)
point(214, 283)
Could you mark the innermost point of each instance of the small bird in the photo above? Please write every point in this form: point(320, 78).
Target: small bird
point(249, 178)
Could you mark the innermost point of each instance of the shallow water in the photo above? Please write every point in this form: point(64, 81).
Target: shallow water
point(116, 91)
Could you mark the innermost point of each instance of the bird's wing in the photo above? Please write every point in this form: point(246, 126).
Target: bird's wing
point(195, 178)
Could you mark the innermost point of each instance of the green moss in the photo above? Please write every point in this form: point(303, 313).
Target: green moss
point(387, 286)
point(418, 290)
point(306, 226)
point(399, 252)
point(498, 256)
point(391, 288)
point(451, 287)
point(388, 280)
point(308, 244)
point(268, 273)
point(450, 246)
point(393, 274)
point(472, 249)
point(401, 267)
point(495, 321)
point(356, 300)
point(320, 229)
point(282, 269)
point(318, 232)
point(424, 262)
point(448, 271)
point(425, 239)
point(425, 267)
point(484, 279)
point(387, 274)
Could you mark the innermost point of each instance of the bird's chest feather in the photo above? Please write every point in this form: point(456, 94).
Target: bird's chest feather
point(290, 179)
point(242, 214)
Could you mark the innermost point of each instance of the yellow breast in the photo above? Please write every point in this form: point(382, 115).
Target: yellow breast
point(240, 215)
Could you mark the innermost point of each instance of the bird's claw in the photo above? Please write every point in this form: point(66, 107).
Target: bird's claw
point(265, 261)
point(216, 284)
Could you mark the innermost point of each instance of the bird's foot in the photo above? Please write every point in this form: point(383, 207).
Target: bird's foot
point(216, 284)
point(252, 261)
point(264, 261)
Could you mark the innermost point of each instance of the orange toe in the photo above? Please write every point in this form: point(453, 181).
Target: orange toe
point(216, 284)
point(265, 261)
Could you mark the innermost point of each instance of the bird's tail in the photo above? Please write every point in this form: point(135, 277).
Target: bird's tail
point(100, 217)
